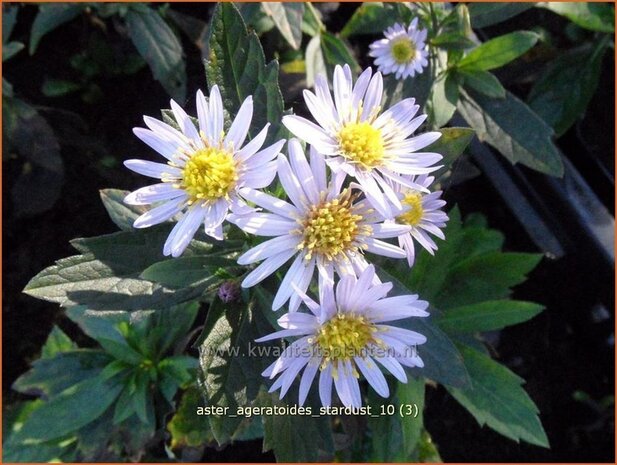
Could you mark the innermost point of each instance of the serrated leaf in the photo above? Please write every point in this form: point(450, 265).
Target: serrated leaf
point(121, 214)
point(484, 82)
point(57, 342)
point(226, 67)
point(106, 276)
point(72, 409)
point(499, 51)
point(287, 18)
point(598, 16)
point(184, 271)
point(159, 46)
point(49, 17)
point(561, 95)
point(497, 399)
point(231, 373)
point(490, 13)
point(514, 129)
point(487, 316)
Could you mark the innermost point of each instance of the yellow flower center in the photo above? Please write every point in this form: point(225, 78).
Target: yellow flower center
point(403, 50)
point(345, 336)
point(330, 228)
point(361, 143)
point(412, 216)
point(209, 174)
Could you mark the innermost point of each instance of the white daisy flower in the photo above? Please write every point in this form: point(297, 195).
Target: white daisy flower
point(360, 141)
point(402, 52)
point(422, 212)
point(344, 336)
point(323, 226)
point(205, 169)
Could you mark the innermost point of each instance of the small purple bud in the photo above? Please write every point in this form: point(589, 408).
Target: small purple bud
point(229, 291)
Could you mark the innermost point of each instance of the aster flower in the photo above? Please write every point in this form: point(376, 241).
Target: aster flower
point(422, 212)
point(205, 169)
point(323, 226)
point(402, 52)
point(360, 141)
point(345, 335)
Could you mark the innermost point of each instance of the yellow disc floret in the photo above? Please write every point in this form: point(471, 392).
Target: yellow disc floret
point(209, 174)
point(361, 143)
point(413, 216)
point(403, 50)
point(345, 336)
point(330, 228)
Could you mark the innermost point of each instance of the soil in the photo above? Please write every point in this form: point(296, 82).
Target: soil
point(567, 348)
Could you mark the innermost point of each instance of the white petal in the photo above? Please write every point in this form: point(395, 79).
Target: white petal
point(307, 379)
point(263, 224)
point(386, 230)
point(383, 248)
point(159, 214)
point(325, 386)
point(290, 183)
point(394, 367)
point(153, 170)
point(297, 320)
point(373, 375)
point(185, 123)
point(269, 202)
point(240, 126)
point(303, 171)
point(203, 114)
point(261, 177)
point(184, 230)
point(318, 166)
point(162, 146)
point(373, 96)
point(216, 115)
point(154, 193)
point(269, 266)
point(285, 290)
point(254, 145)
point(311, 133)
point(268, 249)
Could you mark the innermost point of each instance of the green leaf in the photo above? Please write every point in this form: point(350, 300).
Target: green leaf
point(452, 40)
point(59, 87)
point(184, 271)
point(311, 21)
point(451, 145)
point(485, 277)
point(72, 409)
point(395, 438)
point(49, 17)
point(561, 95)
point(497, 399)
point(297, 438)
point(441, 103)
point(121, 214)
point(374, 18)
point(106, 276)
point(50, 376)
point(226, 66)
point(484, 82)
point(57, 342)
point(512, 128)
point(231, 373)
point(9, 19)
point(487, 316)
point(336, 52)
point(598, 16)
point(490, 13)
point(186, 428)
point(159, 46)
point(288, 20)
point(499, 51)
point(11, 49)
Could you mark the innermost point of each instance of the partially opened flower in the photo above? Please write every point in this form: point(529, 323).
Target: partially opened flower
point(360, 140)
point(205, 169)
point(422, 212)
point(323, 226)
point(344, 336)
point(402, 51)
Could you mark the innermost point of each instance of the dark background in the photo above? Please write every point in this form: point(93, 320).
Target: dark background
point(568, 348)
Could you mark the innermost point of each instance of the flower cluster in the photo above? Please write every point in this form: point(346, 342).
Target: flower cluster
point(363, 186)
